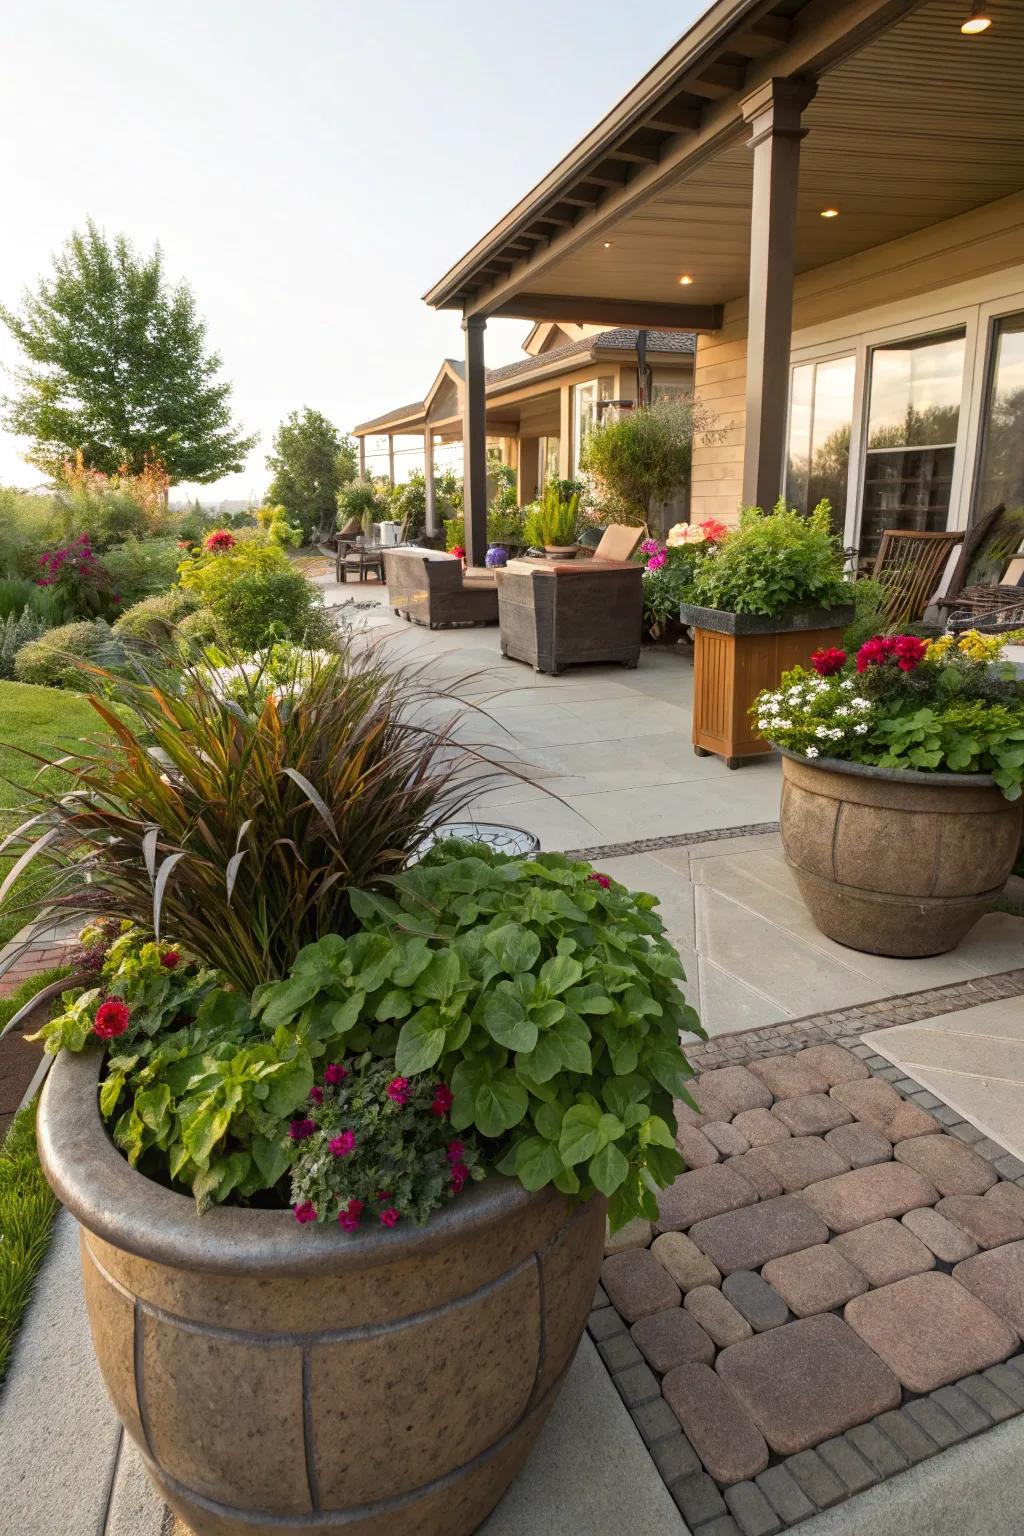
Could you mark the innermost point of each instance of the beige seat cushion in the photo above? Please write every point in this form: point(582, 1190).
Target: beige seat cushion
point(618, 542)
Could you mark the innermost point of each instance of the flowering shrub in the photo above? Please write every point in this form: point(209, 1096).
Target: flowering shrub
point(458, 551)
point(669, 572)
point(218, 541)
point(376, 1149)
point(79, 581)
point(905, 703)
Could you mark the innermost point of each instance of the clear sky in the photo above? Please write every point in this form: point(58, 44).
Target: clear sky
point(310, 166)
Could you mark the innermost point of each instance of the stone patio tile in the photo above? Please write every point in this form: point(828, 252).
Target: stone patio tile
point(785, 1495)
point(671, 1338)
point(760, 1126)
point(1009, 1196)
point(847, 1463)
point(746, 1239)
point(946, 1241)
point(684, 1261)
point(726, 1091)
point(788, 1078)
point(751, 1510)
point(700, 1193)
point(762, 1306)
point(779, 1377)
point(635, 1234)
point(878, 1104)
point(719, 1427)
point(697, 1151)
point(997, 1279)
point(991, 1223)
point(811, 1114)
point(638, 1285)
point(685, 1115)
point(717, 1316)
point(834, 1063)
point(762, 1181)
point(885, 1252)
point(816, 1478)
point(952, 1167)
point(726, 1138)
point(861, 1145)
point(800, 1161)
point(818, 1279)
point(929, 1330)
point(869, 1194)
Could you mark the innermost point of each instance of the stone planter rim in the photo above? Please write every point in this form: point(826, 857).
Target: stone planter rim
point(132, 1212)
point(910, 776)
point(724, 621)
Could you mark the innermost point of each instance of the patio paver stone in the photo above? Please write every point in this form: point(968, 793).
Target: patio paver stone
point(638, 1285)
point(726, 1138)
point(671, 1338)
point(760, 1126)
point(697, 1150)
point(684, 1261)
point(698, 1194)
point(811, 1114)
point(748, 1238)
point(930, 1330)
point(945, 1162)
point(947, 1242)
point(762, 1306)
point(788, 1078)
point(716, 1422)
point(884, 1252)
point(861, 1145)
point(997, 1279)
point(818, 1279)
point(1010, 1196)
point(725, 1091)
point(834, 1063)
point(717, 1316)
point(869, 1194)
point(778, 1376)
point(761, 1179)
point(878, 1104)
point(989, 1222)
point(800, 1161)
point(635, 1234)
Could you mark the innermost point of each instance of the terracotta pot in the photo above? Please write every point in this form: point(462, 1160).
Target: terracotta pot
point(281, 1379)
point(735, 656)
point(892, 861)
point(561, 551)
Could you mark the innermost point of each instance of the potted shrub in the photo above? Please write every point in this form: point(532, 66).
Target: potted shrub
point(556, 522)
point(901, 803)
point(340, 1128)
point(669, 570)
point(769, 594)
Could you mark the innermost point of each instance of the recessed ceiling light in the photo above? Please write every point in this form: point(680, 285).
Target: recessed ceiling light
point(976, 22)
point(607, 245)
point(686, 279)
point(830, 213)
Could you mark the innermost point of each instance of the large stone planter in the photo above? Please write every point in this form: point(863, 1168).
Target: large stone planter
point(735, 656)
point(282, 1380)
point(895, 862)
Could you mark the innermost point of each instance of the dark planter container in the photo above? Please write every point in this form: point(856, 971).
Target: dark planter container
point(735, 656)
point(283, 1380)
point(892, 861)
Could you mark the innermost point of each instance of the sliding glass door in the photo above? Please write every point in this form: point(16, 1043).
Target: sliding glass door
point(1001, 475)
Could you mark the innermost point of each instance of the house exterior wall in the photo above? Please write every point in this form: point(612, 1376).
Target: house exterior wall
point(963, 272)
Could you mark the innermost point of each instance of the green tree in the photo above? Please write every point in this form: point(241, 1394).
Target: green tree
point(310, 463)
point(116, 367)
point(643, 458)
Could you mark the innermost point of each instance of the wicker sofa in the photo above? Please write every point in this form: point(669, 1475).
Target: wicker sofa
point(555, 614)
point(429, 587)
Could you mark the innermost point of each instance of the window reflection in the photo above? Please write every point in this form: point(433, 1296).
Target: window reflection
point(1001, 482)
point(820, 415)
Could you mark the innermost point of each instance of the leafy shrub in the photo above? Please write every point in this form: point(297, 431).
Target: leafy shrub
point(17, 630)
point(504, 526)
point(142, 567)
point(263, 606)
point(151, 618)
point(199, 628)
point(775, 562)
point(24, 531)
point(365, 499)
point(869, 600)
point(277, 529)
point(54, 659)
point(18, 593)
point(78, 582)
point(642, 459)
point(260, 827)
point(546, 996)
point(556, 520)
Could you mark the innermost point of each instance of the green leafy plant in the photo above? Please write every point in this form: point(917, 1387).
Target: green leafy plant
point(154, 617)
point(27, 1209)
point(642, 459)
point(557, 518)
point(546, 995)
point(142, 568)
point(870, 602)
point(16, 631)
point(775, 562)
point(257, 595)
point(243, 836)
point(55, 659)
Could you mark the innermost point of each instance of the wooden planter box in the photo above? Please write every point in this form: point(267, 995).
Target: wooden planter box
point(735, 656)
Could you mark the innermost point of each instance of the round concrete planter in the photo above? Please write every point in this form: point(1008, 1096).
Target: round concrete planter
point(281, 1379)
point(896, 862)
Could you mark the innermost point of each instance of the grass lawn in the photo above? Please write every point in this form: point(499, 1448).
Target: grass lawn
point(38, 720)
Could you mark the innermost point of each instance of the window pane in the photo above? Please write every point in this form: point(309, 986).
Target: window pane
point(798, 461)
point(1002, 464)
point(913, 418)
point(830, 437)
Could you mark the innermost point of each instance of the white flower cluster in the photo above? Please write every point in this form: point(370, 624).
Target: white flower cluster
point(829, 710)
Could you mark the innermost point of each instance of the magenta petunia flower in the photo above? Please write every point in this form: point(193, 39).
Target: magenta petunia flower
point(460, 1173)
point(334, 1074)
point(316, 1095)
point(341, 1146)
point(301, 1130)
point(455, 1151)
point(348, 1216)
point(305, 1211)
point(388, 1216)
point(601, 880)
point(442, 1101)
point(398, 1091)
point(170, 959)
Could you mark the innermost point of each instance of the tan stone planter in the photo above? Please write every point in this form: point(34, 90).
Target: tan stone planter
point(280, 1379)
point(895, 862)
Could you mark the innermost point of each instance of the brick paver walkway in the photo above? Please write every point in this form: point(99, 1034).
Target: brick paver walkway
point(834, 1290)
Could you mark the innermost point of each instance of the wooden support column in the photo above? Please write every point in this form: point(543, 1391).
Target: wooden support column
point(773, 113)
point(527, 475)
point(428, 478)
point(362, 458)
point(565, 464)
point(474, 441)
point(391, 457)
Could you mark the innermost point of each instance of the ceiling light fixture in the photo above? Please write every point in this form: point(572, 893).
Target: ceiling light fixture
point(830, 213)
point(686, 279)
point(976, 22)
point(607, 245)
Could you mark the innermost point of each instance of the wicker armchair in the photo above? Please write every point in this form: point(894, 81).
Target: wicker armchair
point(910, 566)
point(988, 547)
point(430, 589)
point(557, 614)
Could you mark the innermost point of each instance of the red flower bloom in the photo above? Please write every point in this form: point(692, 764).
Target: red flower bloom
point(460, 1173)
point(602, 880)
point(111, 1019)
point(305, 1211)
point(301, 1130)
point(388, 1217)
point(455, 1151)
point(170, 958)
point(829, 661)
point(713, 531)
point(316, 1095)
point(383, 1194)
point(458, 551)
point(398, 1091)
point(219, 540)
point(906, 650)
point(334, 1074)
point(341, 1146)
point(442, 1101)
point(348, 1216)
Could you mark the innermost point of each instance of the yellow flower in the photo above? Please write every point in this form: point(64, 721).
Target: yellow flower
point(938, 648)
point(977, 647)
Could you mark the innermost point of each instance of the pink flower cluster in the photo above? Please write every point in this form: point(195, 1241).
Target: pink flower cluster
point(907, 651)
point(398, 1091)
point(75, 561)
point(602, 880)
point(218, 541)
point(459, 1171)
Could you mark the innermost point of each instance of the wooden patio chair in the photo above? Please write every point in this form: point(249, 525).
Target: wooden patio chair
point(974, 587)
point(909, 565)
point(619, 541)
